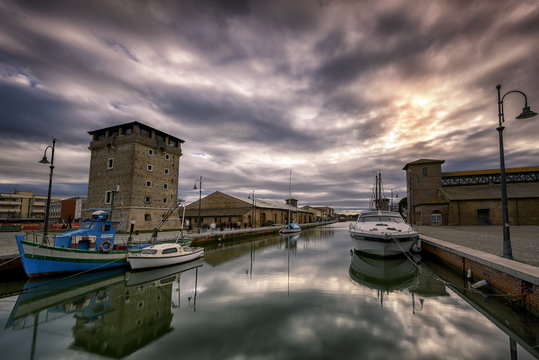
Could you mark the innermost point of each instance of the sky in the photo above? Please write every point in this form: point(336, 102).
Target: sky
point(333, 90)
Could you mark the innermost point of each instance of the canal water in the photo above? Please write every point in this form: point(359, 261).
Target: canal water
point(296, 297)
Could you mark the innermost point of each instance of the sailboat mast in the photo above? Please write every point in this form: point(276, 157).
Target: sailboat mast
point(289, 194)
point(379, 195)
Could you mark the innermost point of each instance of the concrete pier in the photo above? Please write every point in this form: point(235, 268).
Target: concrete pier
point(481, 258)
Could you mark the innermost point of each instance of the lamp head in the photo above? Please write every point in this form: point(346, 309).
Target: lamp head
point(526, 113)
point(195, 187)
point(44, 160)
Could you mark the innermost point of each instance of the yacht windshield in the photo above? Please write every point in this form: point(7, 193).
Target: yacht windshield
point(381, 219)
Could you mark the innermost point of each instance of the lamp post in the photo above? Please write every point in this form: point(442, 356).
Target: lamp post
point(199, 199)
point(47, 209)
point(253, 211)
point(526, 113)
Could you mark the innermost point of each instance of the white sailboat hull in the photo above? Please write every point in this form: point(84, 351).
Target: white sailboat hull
point(142, 261)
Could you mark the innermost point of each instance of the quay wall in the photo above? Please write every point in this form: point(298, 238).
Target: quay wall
point(518, 280)
point(11, 264)
point(224, 236)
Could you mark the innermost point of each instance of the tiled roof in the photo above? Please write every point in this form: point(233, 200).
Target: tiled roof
point(269, 204)
point(423, 161)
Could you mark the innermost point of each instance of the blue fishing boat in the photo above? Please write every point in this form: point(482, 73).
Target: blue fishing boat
point(90, 247)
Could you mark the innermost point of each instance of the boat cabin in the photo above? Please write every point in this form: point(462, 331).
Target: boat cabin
point(97, 233)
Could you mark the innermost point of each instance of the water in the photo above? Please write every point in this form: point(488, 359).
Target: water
point(274, 298)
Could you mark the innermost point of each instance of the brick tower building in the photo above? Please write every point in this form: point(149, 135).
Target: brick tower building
point(134, 171)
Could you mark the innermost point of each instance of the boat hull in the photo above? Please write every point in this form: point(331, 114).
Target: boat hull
point(44, 260)
point(290, 231)
point(292, 228)
point(383, 245)
point(141, 261)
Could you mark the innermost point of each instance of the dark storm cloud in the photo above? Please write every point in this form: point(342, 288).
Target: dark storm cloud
point(30, 114)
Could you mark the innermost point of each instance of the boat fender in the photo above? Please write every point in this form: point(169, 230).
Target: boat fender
point(480, 284)
point(105, 246)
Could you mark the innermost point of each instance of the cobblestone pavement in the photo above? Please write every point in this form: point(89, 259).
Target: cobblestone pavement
point(524, 239)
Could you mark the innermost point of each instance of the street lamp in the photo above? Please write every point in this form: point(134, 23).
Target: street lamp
point(526, 113)
point(199, 199)
point(47, 210)
point(253, 211)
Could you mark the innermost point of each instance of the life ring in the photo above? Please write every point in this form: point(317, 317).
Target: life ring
point(105, 249)
point(102, 295)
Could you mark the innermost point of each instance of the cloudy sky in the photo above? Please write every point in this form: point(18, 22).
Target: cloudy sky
point(334, 90)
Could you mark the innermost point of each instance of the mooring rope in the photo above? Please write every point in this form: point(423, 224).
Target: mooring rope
point(7, 262)
point(447, 283)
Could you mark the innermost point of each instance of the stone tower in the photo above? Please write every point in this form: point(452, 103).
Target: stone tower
point(423, 179)
point(134, 171)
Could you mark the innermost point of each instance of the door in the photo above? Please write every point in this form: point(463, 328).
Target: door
point(483, 217)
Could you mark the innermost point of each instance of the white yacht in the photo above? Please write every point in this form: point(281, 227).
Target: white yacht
point(383, 233)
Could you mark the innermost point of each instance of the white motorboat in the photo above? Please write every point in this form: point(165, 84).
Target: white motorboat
point(383, 233)
point(164, 254)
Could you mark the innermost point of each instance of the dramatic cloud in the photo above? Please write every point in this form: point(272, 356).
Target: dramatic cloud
point(334, 90)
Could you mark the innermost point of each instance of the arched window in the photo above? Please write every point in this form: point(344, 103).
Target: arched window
point(424, 171)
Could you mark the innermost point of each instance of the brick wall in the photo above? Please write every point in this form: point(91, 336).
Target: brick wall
point(509, 284)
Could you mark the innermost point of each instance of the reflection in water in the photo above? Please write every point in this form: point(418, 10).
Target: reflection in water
point(395, 274)
point(115, 312)
point(278, 297)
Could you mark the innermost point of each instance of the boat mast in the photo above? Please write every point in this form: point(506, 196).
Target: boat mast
point(289, 195)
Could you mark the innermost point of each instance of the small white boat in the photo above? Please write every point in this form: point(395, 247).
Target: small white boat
point(292, 228)
point(164, 255)
point(383, 233)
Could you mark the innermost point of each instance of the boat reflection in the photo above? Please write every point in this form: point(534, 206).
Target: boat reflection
point(386, 275)
point(115, 312)
point(396, 274)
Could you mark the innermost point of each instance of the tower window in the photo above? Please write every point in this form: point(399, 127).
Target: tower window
point(147, 199)
point(166, 171)
point(145, 132)
point(165, 186)
point(167, 156)
point(147, 217)
point(150, 152)
point(108, 197)
point(148, 183)
point(110, 163)
point(424, 171)
point(149, 167)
